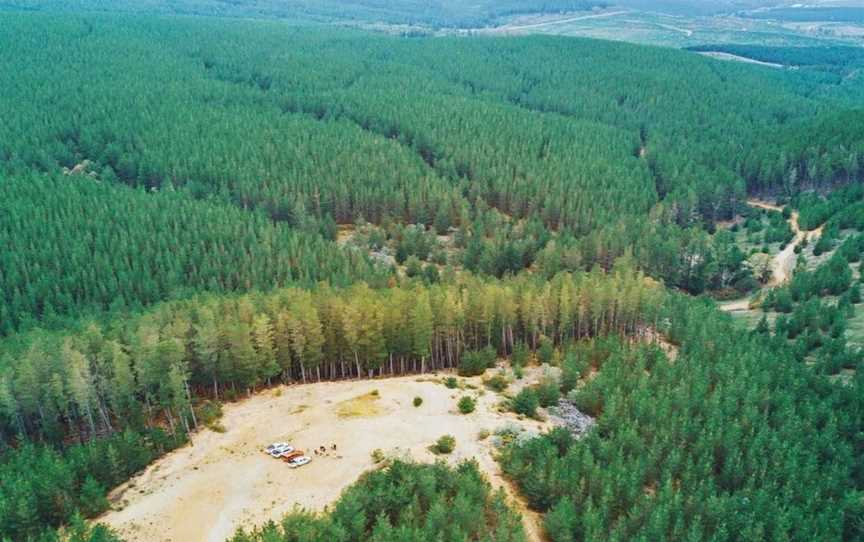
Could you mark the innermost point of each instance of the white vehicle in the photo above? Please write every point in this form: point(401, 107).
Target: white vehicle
point(299, 461)
point(278, 448)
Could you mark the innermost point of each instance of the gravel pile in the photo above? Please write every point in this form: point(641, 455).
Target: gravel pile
point(567, 415)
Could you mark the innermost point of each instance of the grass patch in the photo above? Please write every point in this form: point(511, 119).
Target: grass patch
point(360, 406)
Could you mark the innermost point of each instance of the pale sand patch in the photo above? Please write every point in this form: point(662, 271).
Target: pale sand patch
point(204, 491)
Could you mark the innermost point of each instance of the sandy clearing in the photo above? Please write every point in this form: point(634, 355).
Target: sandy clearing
point(204, 491)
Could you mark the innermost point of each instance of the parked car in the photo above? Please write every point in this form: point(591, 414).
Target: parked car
point(299, 461)
point(278, 448)
point(290, 456)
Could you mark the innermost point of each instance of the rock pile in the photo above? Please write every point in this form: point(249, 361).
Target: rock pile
point(567, 415)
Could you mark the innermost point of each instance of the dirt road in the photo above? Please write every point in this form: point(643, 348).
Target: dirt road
point(784, 261)
point(517, 27)
point(203, 492)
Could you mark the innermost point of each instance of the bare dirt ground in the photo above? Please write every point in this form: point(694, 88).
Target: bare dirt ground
point(205, 491)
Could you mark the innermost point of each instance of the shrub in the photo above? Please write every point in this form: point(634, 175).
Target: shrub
point(377, 455)
point(467, 405)
point(588, 400)
point(548, 392)
point(483, 434)
point(518, 372)
point(217, 427)
point(476, 363)
point(746, 284)
point(418, 401)
point(413, 267)
point(93, 497)
point(496, 383)
point(444, 445)
point(209, 413)
point(546, 352)
point(451, 382)
point(526, 402)
point(560, 520)
point(855, 294)
point(571, 372)
point(431, 274)
point(519, 357)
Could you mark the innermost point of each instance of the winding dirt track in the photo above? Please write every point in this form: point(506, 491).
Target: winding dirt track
point(784, 262)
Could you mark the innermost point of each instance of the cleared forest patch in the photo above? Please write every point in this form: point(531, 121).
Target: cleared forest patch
point(223, 480)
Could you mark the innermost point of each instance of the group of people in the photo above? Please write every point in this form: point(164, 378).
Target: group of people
point(322, 450)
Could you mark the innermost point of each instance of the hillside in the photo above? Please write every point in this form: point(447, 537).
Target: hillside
point(266, 215)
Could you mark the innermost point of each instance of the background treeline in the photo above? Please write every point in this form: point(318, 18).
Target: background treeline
point(811, 13)
point(134, 372)
point(311, 127)
point(434, 14)
point(404, 502)
point(749, 446)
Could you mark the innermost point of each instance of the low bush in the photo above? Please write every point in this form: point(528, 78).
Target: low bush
point(520, 355)
point(546, 351)
point(451, 382)
point(418, 401)
point(548, 392)
point(209, 413)
point(475, 363)
point(526, 402)
point(444, 445)
point(496, 383)
point(467, 405)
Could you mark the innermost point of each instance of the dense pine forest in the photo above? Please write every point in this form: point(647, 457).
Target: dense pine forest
point(195, 209)
point(424, 502)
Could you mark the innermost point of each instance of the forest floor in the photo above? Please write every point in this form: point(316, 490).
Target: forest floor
point(221, 481)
